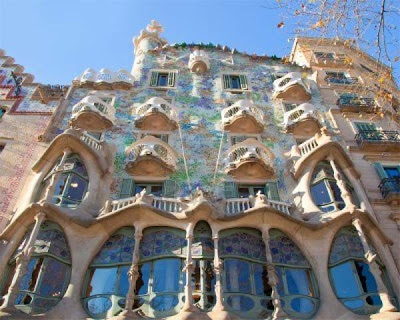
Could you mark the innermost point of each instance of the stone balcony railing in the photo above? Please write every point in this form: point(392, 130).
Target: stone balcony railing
point(150, 156)
point(292, 87)
point(301, 112)
point(235, 205)
point(161, 203)
point(156, 114)
point(378, 140)
point(92, 114)
point(243, 116)
point(199, 62)
point(249, 158)
point(104, 79)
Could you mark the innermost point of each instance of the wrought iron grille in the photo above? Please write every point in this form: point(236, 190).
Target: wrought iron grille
point(389, 185)
point(377, 136)
point(356, 102)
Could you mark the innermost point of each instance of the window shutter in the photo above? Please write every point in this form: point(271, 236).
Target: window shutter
point(169, 188)
point(171, 79)
point(154, 78)
point(271, 190)
point(227, 81)
point(243, 82)
point(127, 188)
point(230, 189)
point(380, 171)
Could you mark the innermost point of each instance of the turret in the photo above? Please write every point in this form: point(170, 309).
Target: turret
point(149, 39)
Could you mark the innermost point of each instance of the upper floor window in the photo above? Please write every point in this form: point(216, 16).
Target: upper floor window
point(233, 190)
point(339, 77)
point(235, 82)
point(162, 79)
point(129, 188)
point(325, 191)
point(324, 55)
point(389, 175)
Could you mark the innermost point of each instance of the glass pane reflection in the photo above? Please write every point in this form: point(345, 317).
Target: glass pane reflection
point(298, 282)
point(237, 276)
point(345, 283)
point(102, 280)
point(166, 275)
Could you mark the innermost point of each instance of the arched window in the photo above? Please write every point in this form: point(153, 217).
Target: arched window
point(203, 277)
point(325, 191)
point(48, 271)
point(159, 287)
point(296, 285)
point(71, 185)
point(245, 276)
point(350, 275)
point(107, 282)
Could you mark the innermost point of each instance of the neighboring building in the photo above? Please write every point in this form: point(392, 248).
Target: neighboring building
point(208, 184)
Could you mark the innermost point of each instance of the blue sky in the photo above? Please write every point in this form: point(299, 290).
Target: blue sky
point(56, 40)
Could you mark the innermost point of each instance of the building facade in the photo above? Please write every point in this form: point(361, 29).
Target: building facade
point(204, 184)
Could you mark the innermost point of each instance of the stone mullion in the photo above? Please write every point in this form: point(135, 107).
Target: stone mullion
point(218, 266)
point(370, 256)
point(56, 176)
point(188, 269)
point(133, 273)
point(341, 185)
point(22, 262)
point(273, 278)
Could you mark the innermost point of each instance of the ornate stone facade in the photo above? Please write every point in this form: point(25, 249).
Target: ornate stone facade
point(205, 184)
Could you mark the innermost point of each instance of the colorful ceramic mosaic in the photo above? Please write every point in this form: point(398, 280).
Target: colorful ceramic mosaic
point(242, 244)
point(162, 242)
point(347, 244)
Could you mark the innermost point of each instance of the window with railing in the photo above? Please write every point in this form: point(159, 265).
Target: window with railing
point(340, 78)
point(129, 188)
point(355, 100)
point(235, 82)
point(390, 178)
point(368, 132)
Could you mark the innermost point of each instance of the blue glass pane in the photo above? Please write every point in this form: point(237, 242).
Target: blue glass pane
point(298, 281)
point(237, 273)
point(103, 280)
point(235, 82)
point(284, 251)
point(344, 281)
point(123, 280)
point(166, 275)
point(261, 280)
point(240, 303)
point(280, 286)
point(26, 281)
point(76, 188)
point(374, 300)
point(80, 168)
point(354, 304)
point(162, 80)
point(142, 283)
point(98, 305)
point(320, 193)
point(118, 248)
point(164, 303)
point(366, 278)
point(53, 279)
point(60, 184)
point(302, 305)
point(242, 244)
point(336, 191)
point(162, 242)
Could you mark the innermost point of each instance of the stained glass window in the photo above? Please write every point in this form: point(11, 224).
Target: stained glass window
point(48, 271)
point(107, 279)
point(297, 285)
point(350, 275)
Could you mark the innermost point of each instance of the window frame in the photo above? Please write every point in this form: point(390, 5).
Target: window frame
point(172, 78)
point(243, 79)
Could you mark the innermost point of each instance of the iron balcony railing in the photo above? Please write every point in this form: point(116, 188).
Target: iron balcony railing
point(377, 136)
point(341, 80)
point(356, 102)
point(389, 185)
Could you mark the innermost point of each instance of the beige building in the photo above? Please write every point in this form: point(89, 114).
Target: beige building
point(204, 184)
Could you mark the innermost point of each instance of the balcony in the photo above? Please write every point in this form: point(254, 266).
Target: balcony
point(104, 79)
point(92, 114)
point(156, 114)
point(199, 62)
point(302, 120)
point(243, 117)
point(249, 159)
point(378, 140)
point(150, 156)
point(330, 60)
point(236, 205)
point(341, 80)
point(292, 87)
point(357, 104)
point(390, 190)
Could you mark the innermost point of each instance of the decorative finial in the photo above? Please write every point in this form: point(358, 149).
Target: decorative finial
point(154, 27)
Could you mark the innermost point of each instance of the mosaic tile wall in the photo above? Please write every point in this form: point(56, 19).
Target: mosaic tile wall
point(200, 99)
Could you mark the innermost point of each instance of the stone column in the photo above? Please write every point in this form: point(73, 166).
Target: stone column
point(370, 256)
point(133, 272)
point(56, 176)
point(273, 280)
point(348, 201)
point(22, 262)
point(218, 267)
point(189, 270)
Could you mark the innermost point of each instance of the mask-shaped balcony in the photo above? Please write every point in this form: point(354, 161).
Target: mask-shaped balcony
point(122, 79)
point(302, 120)
point(92, 114)
point(378, 140)
point(150, 156)
point(249, 159)
point(243, 117)
point(156, 114)
point(199, 62)
point(292, 87)
point(104, 79)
